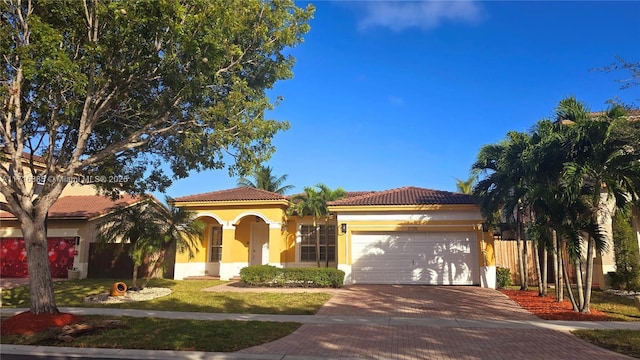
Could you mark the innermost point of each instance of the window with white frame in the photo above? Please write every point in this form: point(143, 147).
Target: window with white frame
point(325, 235)
point(215, 244)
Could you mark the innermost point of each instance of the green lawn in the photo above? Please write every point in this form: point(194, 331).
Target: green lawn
point(620, 307)
point(172, 334)
point(622, 341)
point(167, 334)
point(187, 295)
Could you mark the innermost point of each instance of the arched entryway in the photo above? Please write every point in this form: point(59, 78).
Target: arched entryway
point(212, 243)
point(259, 243)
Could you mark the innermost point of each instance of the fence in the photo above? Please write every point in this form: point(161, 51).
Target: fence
point(507, 257)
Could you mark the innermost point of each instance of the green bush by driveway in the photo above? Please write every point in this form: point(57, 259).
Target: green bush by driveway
point(267, 275)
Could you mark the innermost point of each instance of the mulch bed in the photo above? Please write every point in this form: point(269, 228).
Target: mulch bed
point(548, 309)
point(26, 323)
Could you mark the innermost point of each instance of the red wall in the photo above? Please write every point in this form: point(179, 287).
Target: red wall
point(13, 257)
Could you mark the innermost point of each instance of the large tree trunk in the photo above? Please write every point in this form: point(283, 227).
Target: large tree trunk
point(40, 282)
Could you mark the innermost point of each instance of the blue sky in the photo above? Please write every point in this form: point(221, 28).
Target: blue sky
point(392, 94)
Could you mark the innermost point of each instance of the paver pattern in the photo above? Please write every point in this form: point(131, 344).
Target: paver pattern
point(447, 302)
point(376, 341)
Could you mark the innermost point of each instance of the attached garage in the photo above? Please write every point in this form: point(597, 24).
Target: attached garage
point(413, 235)
point(438, 258)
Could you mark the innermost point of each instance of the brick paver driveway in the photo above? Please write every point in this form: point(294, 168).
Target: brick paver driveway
point(407, 341)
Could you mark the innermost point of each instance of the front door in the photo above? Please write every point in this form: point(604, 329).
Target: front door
point(259, 249)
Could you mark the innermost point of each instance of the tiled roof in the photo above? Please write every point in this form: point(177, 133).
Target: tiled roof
point(85, 207)
point(237, 194)
point(348, 194)
point(406, 196)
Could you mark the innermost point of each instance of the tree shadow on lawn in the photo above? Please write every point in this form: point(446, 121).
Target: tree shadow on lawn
point(72, 294)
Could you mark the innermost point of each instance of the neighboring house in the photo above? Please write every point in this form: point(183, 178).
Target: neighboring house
point(407, 235)
point(70, 229)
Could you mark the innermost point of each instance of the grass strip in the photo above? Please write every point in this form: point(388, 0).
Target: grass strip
point(166, 334)
point(621, 341)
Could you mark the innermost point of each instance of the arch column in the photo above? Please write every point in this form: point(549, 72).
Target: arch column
point(275, 244)
point(230, 264)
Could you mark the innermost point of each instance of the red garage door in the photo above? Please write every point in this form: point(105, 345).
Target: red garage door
point(13, 257)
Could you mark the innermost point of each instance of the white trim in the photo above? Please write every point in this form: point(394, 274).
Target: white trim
point(230, 270)
point(488, 277)
point(251, 213)
point(347, 273)
point(275, 225)
point(182, 270)
point(213, 216)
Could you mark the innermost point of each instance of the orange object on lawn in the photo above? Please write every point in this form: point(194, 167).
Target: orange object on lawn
point(118, 289)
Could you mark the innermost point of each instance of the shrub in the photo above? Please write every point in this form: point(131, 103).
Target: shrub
point(503, 277)
point(267, 275)
point(625, 249)
point(259, 274)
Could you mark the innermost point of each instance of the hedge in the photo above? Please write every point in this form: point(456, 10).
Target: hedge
point(267, 275)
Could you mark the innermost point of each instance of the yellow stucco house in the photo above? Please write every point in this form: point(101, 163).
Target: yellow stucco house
point(408, 235)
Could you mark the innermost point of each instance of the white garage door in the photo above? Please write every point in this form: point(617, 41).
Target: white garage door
point(449, 258)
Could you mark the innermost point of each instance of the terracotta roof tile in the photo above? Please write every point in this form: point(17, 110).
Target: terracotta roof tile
point(349, 194)
point(237, 194)
point(406, 196)
point(86, 206)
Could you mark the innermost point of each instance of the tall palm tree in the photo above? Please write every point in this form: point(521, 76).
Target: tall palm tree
point(264, 179)
point(151, 229)
point(604, 169)
point(502, 192)
point(313, 202)
point(568, 175)
point(547, 156)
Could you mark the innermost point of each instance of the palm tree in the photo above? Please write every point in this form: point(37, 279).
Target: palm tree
point(264, 179)
point(313, 202)
point(567, 176)
point(502, 193)
point(151, 229)
point(603, 169)
point(466, 186)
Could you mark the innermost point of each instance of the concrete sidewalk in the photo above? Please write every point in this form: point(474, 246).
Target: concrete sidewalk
point(440, 331)
point(354, 320)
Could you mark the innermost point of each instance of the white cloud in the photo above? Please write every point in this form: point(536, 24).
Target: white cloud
point(426, 15)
